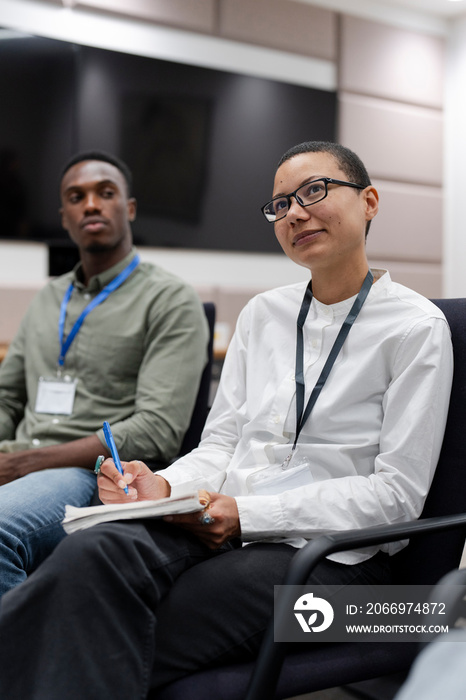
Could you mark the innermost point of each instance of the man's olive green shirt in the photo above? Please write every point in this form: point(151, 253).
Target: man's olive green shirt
point(137, 359)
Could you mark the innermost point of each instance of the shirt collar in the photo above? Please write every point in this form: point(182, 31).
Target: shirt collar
point(99, 281)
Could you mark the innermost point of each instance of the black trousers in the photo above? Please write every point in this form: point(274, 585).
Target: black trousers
point(121, 608)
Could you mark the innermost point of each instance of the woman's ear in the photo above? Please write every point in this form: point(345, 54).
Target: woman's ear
point(372, 202)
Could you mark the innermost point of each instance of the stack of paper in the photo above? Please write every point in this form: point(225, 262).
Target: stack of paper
point(80, 518)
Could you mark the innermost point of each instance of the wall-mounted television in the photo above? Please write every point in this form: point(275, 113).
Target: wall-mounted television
point(202, 144)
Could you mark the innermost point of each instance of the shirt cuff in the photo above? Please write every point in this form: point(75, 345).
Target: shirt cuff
point(259, 516)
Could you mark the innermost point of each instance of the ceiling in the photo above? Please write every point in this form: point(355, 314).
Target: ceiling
point(441, 8)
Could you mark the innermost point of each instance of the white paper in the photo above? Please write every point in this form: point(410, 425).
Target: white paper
point(81, 518)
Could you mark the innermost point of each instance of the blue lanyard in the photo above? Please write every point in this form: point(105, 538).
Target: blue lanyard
point(106, 291)
point(302, 414)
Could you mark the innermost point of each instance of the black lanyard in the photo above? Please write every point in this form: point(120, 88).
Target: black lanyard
point(302, 414)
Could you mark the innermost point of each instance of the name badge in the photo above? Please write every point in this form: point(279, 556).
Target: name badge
point(274, 480)
point(56, 395)
point(294, 472)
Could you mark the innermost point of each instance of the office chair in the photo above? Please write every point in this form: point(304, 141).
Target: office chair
point(435, 548)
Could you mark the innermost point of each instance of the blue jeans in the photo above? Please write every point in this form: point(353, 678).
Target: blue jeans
point(31, 511)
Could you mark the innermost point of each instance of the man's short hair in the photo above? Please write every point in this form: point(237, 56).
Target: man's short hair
point(106, 158)
point(347, 160)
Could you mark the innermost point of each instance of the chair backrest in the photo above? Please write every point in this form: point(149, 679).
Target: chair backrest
point(201, 407)
point(429, 557)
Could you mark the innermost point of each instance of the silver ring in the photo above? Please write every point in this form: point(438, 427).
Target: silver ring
point(98, 463)
point(206, 519)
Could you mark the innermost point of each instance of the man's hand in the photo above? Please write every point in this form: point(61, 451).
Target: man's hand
point(77, 453)
point(10, 467)
point(145, 485)
point(225, 525)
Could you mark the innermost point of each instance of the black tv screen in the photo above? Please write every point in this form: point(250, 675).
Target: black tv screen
point(202, 144)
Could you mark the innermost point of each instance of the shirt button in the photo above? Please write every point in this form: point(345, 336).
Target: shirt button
point(36, 442)
point(276, 419)
point(314, 343)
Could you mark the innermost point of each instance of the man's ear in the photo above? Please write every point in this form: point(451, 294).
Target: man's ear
point(132, 208)
point(61, 211)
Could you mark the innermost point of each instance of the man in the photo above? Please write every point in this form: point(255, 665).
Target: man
point(131, 353)
point(150, 601)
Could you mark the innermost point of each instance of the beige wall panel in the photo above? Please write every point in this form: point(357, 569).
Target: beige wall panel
point(409, 223)
point(423, 278)
point(385, 61)
point(396, 142)
point(231, 301)
point(289, 26)
point(207, 293)
point(197, 15)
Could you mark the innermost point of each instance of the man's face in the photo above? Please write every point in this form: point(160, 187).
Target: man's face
point(96, 210)
point(332, 231)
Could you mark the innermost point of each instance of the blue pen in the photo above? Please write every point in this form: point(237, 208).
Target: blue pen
point(112, 447)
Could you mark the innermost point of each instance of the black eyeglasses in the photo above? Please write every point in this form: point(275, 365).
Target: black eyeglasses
point(310, 193)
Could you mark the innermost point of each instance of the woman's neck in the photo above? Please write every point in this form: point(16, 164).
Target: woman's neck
point(330, 288)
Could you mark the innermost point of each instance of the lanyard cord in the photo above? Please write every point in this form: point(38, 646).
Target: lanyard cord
point(302, 414)
point(106, 291)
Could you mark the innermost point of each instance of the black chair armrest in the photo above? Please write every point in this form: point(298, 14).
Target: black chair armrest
point(270, 659)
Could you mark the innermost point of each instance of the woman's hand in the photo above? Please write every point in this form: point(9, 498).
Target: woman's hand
point(144, 485)
point(224, 526)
